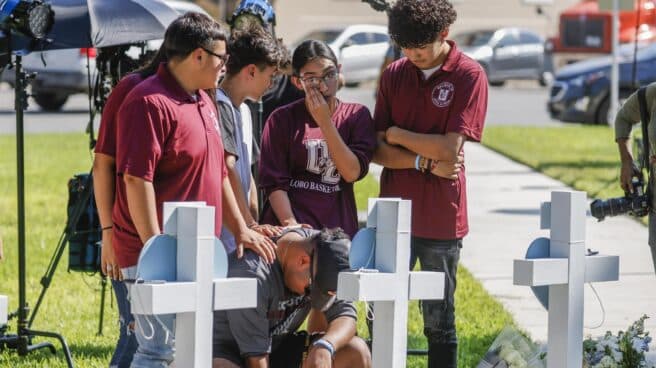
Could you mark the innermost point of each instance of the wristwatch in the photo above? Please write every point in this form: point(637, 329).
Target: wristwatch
point(322, 343)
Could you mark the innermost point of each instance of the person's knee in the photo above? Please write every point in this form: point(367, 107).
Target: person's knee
point(223, 363)
point(355, 354)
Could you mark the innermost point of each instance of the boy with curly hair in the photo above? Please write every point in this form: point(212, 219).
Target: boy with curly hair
point(429, 103)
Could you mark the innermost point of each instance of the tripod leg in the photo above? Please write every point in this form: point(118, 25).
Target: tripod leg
point(67, 352)
point(103, 282)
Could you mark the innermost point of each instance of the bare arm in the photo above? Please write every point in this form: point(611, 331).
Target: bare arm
point(393, 157)
point(340, 331)
point(253, 205)
point(244, 236)
point(626, 172)
point(345, 160)
point(240, 195)
point(437, 147)
point(258, 362)
point(104, 187)
point(142, 206)
point(282, 207)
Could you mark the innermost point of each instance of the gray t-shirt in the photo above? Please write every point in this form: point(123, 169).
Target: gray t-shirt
point(257, 331)
point(235, 142)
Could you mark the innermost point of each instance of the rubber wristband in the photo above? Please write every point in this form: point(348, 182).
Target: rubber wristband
point(322, 343)
point(106, 228)
point(417, 162)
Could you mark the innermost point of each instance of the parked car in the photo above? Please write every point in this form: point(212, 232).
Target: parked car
point(508, 53)
point(65, 71)
point(359, 48)
point(580, 92)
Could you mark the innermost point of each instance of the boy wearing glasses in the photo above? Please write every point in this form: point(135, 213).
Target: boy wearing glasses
point(255, 59)
point(304, 276)
point(429, 103)
point(169, 149)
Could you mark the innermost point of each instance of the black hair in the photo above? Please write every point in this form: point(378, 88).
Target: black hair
point(150, 67)
point(255, 46)
point(311, 50)
point(415, 23)
point(189, 32)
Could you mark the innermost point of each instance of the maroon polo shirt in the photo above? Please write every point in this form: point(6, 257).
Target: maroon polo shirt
point(170, 138)
point(106, 143)
point(451, 100)
point(295, 158)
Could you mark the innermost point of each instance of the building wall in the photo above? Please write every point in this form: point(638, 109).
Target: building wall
point(297, 17)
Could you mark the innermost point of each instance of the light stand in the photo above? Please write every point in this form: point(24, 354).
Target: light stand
point(22, 341)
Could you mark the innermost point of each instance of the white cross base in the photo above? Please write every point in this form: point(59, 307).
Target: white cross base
point(565, 272)
point(195, 295)
point(3, 309)
point(393, 285)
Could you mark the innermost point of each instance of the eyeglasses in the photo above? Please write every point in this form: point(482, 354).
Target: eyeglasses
point(326, 78)
point(224, 58)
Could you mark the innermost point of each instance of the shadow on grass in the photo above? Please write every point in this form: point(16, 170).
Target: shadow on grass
point(43, 357)
point(471, 350)
point(582, 164)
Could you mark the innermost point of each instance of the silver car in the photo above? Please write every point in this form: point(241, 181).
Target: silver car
point(359, 48)
point(508, 53)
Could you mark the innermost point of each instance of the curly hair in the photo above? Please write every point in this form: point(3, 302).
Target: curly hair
point(254, 45)
point(415, 23)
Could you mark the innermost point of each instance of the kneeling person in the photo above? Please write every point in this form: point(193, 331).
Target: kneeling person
point(304, 276)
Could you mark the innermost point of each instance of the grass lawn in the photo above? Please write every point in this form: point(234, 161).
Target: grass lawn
point(71, 306)
point(584, 157)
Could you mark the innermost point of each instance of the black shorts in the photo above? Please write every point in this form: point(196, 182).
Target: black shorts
point(290, 351)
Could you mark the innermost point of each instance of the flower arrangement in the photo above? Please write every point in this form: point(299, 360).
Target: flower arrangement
point(626, 350)
point(512, 350)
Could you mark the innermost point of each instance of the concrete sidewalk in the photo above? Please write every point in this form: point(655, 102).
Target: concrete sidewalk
point(504, 199)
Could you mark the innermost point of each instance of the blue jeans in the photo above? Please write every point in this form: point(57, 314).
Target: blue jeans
point(155, 334)
point(439, 315)
point(126, 345)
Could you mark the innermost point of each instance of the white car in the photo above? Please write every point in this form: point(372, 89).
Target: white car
point(65, 71)
point(359, 48)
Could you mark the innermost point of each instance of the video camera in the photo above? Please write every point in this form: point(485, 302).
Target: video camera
point(636, 203)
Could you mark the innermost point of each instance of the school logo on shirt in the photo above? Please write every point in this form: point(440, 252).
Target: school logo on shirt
point(215, 120)
point(443, 94)
point(319, 161)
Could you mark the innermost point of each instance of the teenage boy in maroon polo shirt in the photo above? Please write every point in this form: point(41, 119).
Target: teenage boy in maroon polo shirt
point(429, 103)
point(169, 149)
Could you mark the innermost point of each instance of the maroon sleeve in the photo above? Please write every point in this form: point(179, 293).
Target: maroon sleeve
point(274, 157)
point(363, 140)
point(106, 142)
point(142, 132)
point(382, 117)
point(468, 115)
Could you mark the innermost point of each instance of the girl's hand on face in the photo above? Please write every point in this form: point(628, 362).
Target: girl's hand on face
point(317, 105)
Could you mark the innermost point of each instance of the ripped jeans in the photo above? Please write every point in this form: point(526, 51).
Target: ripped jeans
point(126, 345)
point(155, 334)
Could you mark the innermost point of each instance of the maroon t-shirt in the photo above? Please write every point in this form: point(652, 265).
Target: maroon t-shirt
point(171, 139)
point(295, 158)
point(453, 99)
point(106, 143)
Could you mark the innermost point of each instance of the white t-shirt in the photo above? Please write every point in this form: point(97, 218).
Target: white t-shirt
point(429, 72)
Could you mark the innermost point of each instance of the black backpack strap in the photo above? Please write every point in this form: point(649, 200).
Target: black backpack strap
point(645, 118)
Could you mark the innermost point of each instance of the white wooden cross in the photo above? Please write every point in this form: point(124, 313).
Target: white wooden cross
point(195, 294)
point(393, 285)
point(565, 272)
point(3, 310)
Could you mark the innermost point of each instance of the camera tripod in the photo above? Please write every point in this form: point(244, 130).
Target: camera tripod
point(22, 340)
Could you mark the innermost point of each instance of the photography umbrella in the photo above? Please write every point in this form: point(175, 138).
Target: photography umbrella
point(101, 23)
point(77, 24)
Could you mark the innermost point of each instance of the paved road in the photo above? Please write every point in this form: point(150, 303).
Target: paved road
point(520, 103)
